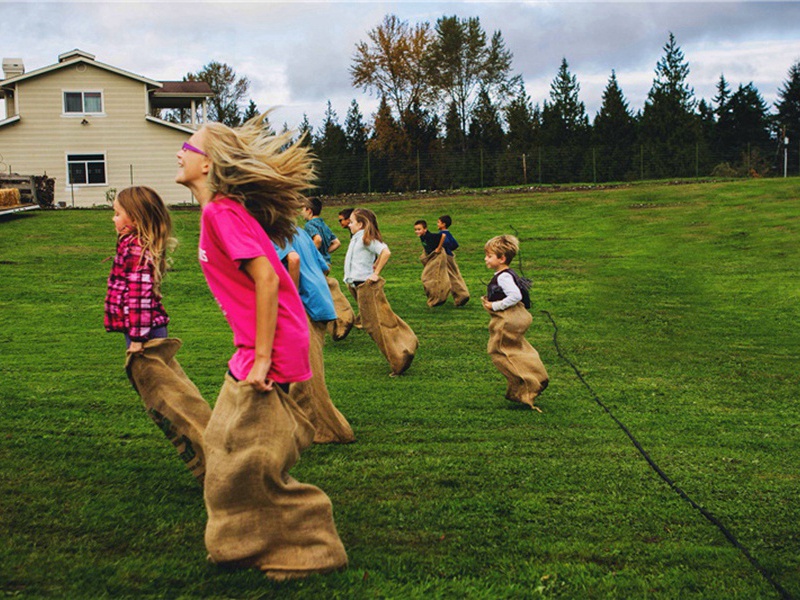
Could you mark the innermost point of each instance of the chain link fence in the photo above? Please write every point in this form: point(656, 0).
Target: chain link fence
point(370, 172)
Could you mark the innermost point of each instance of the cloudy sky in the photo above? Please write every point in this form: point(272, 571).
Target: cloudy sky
point(297, 54)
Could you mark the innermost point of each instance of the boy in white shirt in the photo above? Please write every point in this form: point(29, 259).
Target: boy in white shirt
point(508, 300)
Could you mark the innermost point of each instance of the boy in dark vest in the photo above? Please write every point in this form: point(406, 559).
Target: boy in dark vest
point(508, 300)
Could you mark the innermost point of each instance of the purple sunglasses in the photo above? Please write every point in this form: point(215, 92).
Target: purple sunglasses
point(190, 148)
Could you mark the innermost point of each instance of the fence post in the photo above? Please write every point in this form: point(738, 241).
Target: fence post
point(594, 165)
point(697, 159)
point(131, 166)
point(540, 165)
point(481, 167)
point(369, 175)
point(748, 158)
point(641, 162)
point(419, 184)
point(524, 170)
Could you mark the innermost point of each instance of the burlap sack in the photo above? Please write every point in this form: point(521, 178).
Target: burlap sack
point(258, 515)
point(171, 399)
point(345, 316)
point(435, 278)
point(394, 337)
point(312, 396)
point(513, 355)
point(457, 284)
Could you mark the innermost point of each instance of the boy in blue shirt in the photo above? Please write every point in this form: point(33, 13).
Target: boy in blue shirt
point(448, 243)
point(307, 269)
point(324, 239)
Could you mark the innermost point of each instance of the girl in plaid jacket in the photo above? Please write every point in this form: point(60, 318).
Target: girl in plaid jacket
point(133, 301)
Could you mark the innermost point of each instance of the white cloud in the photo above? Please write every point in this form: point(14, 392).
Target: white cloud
point(297, 54)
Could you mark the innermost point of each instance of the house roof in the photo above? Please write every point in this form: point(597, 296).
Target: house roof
point(74, 57)
point(180, 94)
point(194, 88)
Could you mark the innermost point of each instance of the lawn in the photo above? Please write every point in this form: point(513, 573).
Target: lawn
point(677, 304)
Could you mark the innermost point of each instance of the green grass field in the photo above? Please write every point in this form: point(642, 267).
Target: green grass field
point(679, 305)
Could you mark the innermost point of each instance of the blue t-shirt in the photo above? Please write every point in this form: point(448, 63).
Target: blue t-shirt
point(313, 288)
point(450, 242)
point(317, 226)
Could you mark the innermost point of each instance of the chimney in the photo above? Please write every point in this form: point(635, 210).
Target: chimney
point(12, 67)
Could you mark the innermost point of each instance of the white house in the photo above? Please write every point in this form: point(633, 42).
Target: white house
point(94, 127)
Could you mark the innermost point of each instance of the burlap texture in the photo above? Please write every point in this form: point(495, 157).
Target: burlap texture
point(345, 316)
point(258, 515)
point(312, 395)
point(514, 356)
point(9, 197)
point(435, 279)
point(394, 337)
point(171, 399)
point(457, 284)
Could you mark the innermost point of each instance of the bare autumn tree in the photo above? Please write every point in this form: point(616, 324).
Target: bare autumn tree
point(392, 63)
point(229, 92)
point(463, 63)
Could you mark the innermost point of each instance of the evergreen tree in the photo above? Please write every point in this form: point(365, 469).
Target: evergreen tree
point(486, 130)
point(565, 128)
point(454, 162)
point(355, 130)
point(305, 132)
point(250, 112)
point(669, 127)
point(614, 134)
point(331, 148)
point(722, 97)
point(521, 122)
point(788, 117)
point(454, 138)
point(485, 140)
point(356, 136)
point(421, 135)
point(708, 128)
point(750, 123)
point(332, 139)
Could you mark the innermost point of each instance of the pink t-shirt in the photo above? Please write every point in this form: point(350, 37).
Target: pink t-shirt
point(229, 235)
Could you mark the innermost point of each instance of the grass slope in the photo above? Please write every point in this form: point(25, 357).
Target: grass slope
point(679, 305)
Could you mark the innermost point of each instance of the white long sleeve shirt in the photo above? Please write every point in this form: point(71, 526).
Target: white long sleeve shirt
point(512, 292)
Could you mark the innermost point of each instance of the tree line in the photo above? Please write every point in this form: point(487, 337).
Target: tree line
point(452, 113)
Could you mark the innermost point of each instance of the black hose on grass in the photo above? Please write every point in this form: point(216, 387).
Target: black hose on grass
point(710, 517)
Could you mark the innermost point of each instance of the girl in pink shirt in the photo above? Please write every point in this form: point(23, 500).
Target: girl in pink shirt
point(250, 188)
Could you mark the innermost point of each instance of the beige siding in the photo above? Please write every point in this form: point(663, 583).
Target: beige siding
point(42, 139)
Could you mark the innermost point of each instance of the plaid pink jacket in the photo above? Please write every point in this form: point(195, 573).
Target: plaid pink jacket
point(132, 304)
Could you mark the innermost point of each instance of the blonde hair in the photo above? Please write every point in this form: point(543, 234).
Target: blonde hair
point(266, 173)
point(369, 221)
point(153, 226)
point(503, 246)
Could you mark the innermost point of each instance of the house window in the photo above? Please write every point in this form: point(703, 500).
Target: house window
point(83, 103)
point(86, 169)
